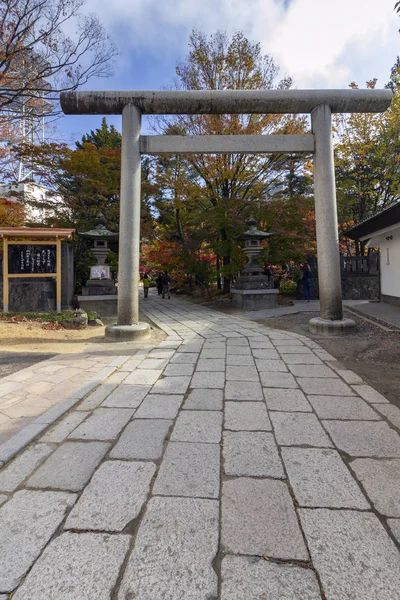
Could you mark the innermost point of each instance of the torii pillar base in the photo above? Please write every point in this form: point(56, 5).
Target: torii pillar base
point(127, 333)
point(329, 327)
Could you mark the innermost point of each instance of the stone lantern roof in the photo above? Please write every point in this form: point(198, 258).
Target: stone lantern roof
point(100, 232)
point(252, 232)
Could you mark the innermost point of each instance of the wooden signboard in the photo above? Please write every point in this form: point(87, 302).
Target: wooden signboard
point(27, 256)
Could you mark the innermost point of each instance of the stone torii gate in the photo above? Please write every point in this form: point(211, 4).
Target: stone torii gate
point(319, 103)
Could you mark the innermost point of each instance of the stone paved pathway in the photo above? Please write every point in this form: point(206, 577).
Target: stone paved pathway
point(231, 462)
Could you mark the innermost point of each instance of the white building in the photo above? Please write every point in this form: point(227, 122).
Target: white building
point(40, 203)
point(383, 231)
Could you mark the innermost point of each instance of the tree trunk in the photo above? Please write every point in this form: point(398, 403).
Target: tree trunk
point(226, 261)
point(219, 285)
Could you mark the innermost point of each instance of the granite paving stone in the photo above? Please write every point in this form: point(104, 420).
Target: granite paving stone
point(70, 466)
point(103, 424)
point(114, 496)
point(174, 549)
point(291, 341)
point(159, 406)
point(254, 578)
point(381, 481)
point(295, 350)
point(142, 439)
point(126, 396)
point(153, 363)
point(236, 373)
point(259, 519)
point(143, 376)
point(312, 371)
point(189, 470)
point(369, 394)
point(320, 478)
point(198, 426)
point(211, 364)
point(243, 390)
point(390, 412)
point(177, 370)
point(298, 429)
point(394, 525)
point(353, 554)
point(97, 397)
point(241, 341)
point(236, 360)
point(265, 354)
point(327, 386)
point(246, 416)
point(184, 358)
point(286, 400)
point(60, 432)
point(259, 344)
point(271, 365)
point(364, 438)
point(213, 353)
point(238, 350)
point(27, 522)
point(346, 407)
point(161, 353)
point(204, 400)
point(302, 359)
point(349, 376)
point(251, 453)
point(73, 566)
point(277, 380)
point(171, 385)
point(204, 380)
point(13, 474)
point(323, 355)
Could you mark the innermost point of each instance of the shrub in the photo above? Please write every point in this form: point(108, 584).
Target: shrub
point(288, 287)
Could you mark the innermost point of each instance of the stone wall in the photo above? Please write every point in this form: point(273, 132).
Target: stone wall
point(30, 295)
point(362, 287)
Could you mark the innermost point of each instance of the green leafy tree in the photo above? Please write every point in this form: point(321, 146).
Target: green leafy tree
point(226, 187)
point(367, 160)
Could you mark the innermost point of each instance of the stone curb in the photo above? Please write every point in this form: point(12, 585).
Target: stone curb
point(25, 436)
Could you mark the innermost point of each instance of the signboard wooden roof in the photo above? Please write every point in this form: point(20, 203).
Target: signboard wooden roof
point(36, 232)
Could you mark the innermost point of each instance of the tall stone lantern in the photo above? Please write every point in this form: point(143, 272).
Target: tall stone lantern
point(100, 292)
point(253, 290)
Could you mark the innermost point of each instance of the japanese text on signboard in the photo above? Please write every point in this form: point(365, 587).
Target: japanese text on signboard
point(30, 259)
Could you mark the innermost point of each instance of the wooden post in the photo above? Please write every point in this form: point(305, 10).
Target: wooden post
point(58, 275)
point(5, 274)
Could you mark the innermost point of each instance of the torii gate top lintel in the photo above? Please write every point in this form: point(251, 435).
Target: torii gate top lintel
point(225, 101)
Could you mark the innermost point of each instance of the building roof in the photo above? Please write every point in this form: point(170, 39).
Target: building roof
point(36, 232)
point(382, 220)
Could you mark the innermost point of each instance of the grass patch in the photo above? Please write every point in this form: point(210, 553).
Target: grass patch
point(49, 317)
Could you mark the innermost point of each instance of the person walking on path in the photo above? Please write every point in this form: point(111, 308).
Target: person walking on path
point(159, 284)
point(146, 285)
point(306, 281)
point(166, 280)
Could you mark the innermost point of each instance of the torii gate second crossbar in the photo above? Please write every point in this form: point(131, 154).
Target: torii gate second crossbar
point(319, 103)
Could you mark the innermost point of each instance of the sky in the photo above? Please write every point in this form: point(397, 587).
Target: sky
point(319, 43)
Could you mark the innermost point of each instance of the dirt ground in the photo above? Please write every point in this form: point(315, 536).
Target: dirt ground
point(372, 353)
point(30, 337)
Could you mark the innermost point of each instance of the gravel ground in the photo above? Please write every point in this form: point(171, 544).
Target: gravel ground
point(372, 353)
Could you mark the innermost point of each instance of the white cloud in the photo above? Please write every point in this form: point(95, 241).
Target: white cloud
point(318, 42)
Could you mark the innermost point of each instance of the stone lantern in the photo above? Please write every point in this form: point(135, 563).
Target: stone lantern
point(253, 290)
point(100, 292)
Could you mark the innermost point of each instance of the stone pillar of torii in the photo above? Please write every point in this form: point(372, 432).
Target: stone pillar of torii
point(319, 103)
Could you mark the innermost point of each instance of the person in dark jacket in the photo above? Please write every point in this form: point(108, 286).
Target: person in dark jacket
point(166, 280)
point(306, 281)
point(159, 284)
